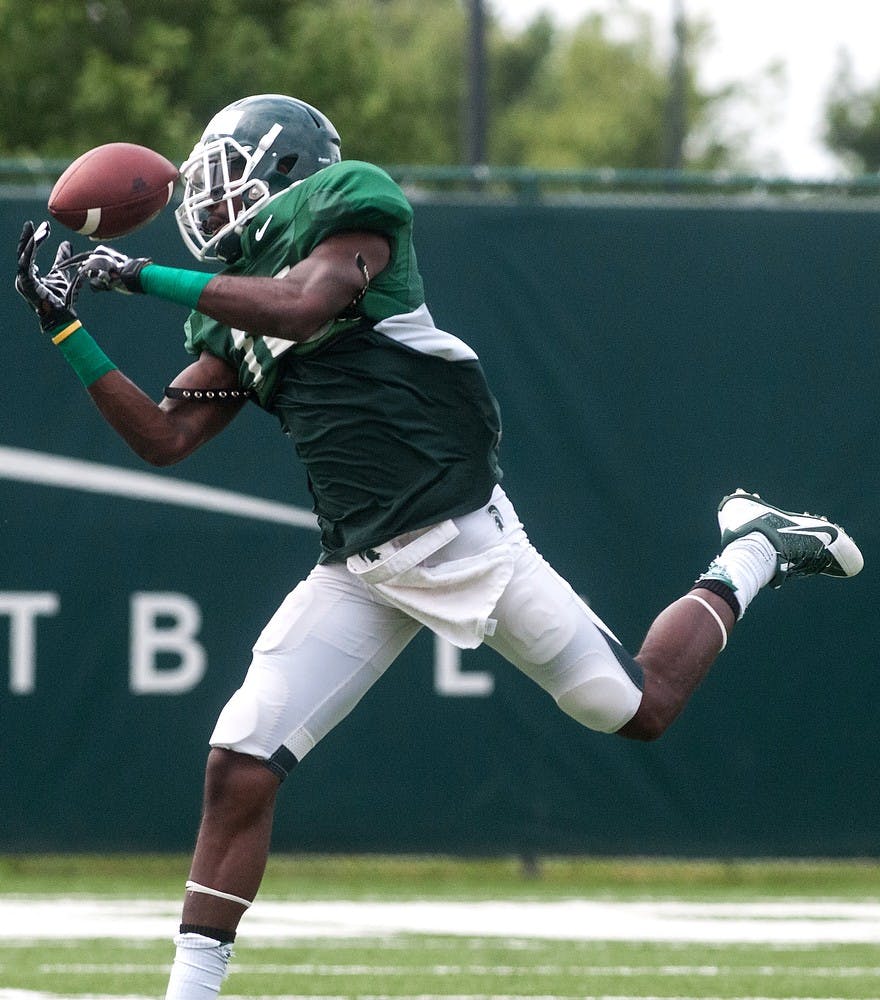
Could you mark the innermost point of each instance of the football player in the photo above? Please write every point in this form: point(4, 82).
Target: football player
point(319, 317)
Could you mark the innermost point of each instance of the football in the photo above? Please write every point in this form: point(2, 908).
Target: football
point(112, 190)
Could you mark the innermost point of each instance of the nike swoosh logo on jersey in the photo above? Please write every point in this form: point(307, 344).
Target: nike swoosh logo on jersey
point(260, 233)
point(815, 530)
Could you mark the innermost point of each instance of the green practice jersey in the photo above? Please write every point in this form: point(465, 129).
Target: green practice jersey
point(391, 417)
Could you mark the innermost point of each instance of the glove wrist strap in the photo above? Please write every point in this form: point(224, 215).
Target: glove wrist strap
point(82, 353)
point(174, 284)
point(66, 331)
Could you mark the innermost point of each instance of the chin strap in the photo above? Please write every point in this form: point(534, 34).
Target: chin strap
point(208, 395)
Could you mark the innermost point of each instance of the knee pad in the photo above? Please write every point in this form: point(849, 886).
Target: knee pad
point(552, 635)
point(604, 701)
point(238, 721)
point(539, 615)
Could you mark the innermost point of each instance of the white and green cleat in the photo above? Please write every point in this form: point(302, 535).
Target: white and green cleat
point(805, 545)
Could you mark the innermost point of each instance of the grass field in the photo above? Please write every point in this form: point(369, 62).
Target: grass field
point(374, 927)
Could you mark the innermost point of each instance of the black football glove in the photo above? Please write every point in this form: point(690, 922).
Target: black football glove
point(51, 296)
point(107, 269)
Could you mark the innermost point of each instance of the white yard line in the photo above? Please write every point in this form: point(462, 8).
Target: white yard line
point(36, 995)
point(808, 922)
point(502, 971)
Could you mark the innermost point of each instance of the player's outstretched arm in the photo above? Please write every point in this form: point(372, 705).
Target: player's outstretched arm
point(166, 433)
point(315, 291)
point(160, 434)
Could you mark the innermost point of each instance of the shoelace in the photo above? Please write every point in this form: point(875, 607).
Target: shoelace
point(809, 556)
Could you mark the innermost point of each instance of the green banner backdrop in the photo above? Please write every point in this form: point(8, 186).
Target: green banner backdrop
point(649, 358)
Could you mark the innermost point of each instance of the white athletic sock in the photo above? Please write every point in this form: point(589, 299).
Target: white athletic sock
point(199, 968)
point(746, 565)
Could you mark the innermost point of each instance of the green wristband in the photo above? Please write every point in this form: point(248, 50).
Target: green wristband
point(82, 353)
point(174, 284)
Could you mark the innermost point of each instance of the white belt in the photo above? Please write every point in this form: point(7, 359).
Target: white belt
point(453, 597)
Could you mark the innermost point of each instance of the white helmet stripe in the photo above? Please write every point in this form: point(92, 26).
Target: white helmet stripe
point(264, 144)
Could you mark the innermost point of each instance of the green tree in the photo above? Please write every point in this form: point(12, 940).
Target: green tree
point(389, 73)
point(596, 96)
point(592, 102)
point(852, 120)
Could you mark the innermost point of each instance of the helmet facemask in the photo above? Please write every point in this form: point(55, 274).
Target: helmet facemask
point(250, 151)
point(220, 172)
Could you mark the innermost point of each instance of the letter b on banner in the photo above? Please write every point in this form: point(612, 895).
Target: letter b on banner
point(165, 623)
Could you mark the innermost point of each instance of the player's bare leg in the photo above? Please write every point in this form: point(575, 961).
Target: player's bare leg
point(762, 545)
point(228, 865)
point(233, 842)
point(680, 647)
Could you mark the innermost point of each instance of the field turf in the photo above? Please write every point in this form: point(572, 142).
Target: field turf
point(465, 965)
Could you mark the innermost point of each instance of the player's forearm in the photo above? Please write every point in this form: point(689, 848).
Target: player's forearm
point(128, 410)
point(291, 309)
point(145, 427)
point(293, 305)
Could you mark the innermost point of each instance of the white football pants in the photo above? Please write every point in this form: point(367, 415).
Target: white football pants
point(475, 578)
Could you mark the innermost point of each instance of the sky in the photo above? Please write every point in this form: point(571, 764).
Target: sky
point(748, 35)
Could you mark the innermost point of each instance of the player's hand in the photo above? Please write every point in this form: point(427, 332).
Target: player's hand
point(107, 269)
point(51, 296)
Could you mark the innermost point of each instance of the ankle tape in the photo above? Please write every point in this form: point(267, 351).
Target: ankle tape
point(195, 887)
point(724, 591)
point(714, 614)
point(215, 933)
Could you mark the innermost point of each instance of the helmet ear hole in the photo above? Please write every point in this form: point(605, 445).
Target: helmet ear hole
point(286, 164)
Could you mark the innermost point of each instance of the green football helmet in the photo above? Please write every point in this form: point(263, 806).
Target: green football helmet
point(250, 151)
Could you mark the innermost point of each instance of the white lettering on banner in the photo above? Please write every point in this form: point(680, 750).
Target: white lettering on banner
point(149, 638)
point(449, 679)
point(23, 608)
point(165, 654)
